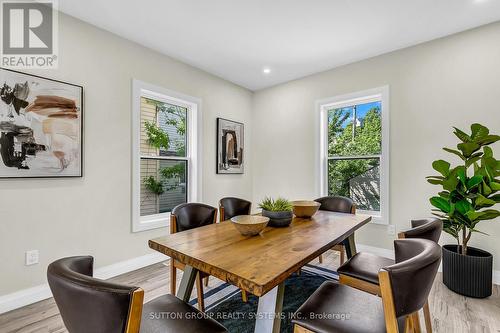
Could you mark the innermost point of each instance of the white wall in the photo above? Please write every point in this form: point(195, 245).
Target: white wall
point(454, 81)
point(91, 215)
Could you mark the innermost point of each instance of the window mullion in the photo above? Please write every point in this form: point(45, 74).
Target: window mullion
point(167, 158)
point(354, 157)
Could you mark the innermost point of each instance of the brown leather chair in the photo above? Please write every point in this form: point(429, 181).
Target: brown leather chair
point(405, 287)
point(88, 305)
point(428, 228)
point(361, 271)
point(188, 216)
point(228, 208)
point(340, 205)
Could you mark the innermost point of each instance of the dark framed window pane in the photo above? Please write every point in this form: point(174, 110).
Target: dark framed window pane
point(163, 128)
point(355, 130)
point(163, 185)
point(358, 179)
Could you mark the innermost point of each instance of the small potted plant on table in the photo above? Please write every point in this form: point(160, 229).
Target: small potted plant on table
point(468, 192)
point(278, 211)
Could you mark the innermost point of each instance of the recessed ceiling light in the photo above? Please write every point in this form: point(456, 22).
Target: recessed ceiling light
point(266, 70)
point(480, 1)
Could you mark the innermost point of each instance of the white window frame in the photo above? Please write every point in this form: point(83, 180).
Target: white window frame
point(366, 96)
point(193, 150)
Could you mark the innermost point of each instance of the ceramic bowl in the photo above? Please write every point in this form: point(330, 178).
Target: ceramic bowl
point(250, 225)
point(304, 208)
point(278, 219)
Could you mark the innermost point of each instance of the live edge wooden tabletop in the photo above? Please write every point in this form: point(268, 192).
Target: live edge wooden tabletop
point(259, 263)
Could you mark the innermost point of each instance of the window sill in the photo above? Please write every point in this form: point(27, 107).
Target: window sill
point(151, 222)
point(377, 218)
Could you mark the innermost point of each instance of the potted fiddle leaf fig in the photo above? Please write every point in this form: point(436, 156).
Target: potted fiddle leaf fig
point(468, 196)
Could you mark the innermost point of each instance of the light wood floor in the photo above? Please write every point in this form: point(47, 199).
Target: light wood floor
point(452, 313)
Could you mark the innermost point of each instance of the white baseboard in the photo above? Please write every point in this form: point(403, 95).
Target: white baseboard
point(130, 265)
point(24, 297)
point(39, 293)
point(390, 254)
point(496, 277)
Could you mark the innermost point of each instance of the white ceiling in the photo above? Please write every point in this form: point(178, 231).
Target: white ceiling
point(236, 39)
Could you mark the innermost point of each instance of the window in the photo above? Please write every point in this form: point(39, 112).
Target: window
point(354, 159)
point(165, 154)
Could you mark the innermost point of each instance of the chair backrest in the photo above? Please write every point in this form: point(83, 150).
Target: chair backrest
point(191, 215)
point(337, 204)
point(405, 286)
point(428, 228)
point(87, 304)
point(230, 207)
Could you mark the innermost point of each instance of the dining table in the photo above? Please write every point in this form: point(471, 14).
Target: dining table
point(258, 264)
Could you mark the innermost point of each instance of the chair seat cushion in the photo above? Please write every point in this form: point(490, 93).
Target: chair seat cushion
point(338, 308)
point(169, 314)
point(365, 266)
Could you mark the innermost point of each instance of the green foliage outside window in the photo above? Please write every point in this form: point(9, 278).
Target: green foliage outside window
point(345, 141)
point(156, 136)
point(153, 185)
point(176, 171)
point(176, 116)
point(367, 139)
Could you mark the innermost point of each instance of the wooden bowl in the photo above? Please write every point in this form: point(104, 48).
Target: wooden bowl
point(304, 208)
point(250, 225)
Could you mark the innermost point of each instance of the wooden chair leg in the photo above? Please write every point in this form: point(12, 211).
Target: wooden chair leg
point(199, 290)
point(173, 277)
point(244, 296)
point(300, 329)
point(416, 322)
point(320, 258)
point(206, 281)
point(427, 317)
point(342, 255)
point(408, 324)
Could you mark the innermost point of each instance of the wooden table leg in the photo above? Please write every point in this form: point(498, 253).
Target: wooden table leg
point(350, 246)
point(187, 283)
point(270, 310)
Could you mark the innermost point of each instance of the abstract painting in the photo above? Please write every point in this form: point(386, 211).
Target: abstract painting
point(230, 145)
point(40, 127)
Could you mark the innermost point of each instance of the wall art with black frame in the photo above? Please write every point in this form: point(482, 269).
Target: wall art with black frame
point(41, 127)
point(230, 146)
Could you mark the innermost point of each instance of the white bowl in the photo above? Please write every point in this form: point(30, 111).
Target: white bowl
point(250, 225)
